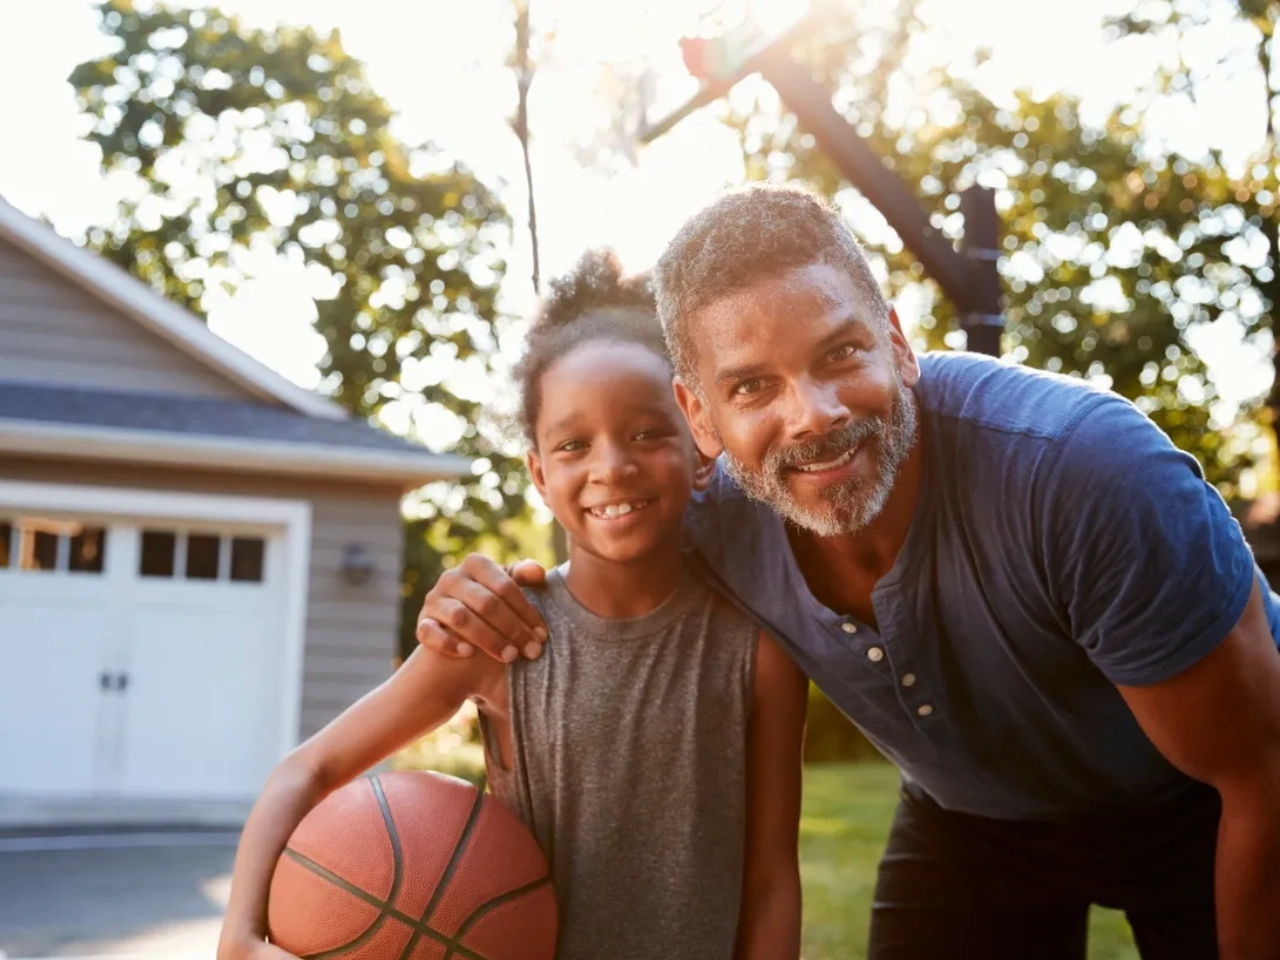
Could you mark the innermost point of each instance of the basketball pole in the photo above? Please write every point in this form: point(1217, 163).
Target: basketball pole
point(968, 277)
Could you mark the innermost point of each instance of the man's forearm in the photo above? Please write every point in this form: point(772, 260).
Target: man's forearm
point(1248, 875)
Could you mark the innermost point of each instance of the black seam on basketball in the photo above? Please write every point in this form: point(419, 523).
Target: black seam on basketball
point(438, 893)
point(304, 861)
point(385, 909)
point(397, 875)
point(393, 835)
point(417, 926)
point(472, 818)
point(496, 902)
point(352, 944)
point(455, 948)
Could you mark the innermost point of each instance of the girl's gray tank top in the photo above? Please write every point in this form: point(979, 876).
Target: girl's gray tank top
point(629, 766)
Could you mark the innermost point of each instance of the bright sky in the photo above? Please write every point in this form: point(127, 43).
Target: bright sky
point(441, 65)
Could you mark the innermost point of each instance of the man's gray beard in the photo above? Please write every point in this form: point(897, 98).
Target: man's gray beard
point(853, 503)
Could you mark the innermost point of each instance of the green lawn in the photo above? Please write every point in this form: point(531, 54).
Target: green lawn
point(847, 810)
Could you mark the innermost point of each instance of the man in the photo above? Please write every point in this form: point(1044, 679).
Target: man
point(1013, 583)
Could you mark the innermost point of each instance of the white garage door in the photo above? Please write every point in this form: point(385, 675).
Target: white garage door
point(140, 658)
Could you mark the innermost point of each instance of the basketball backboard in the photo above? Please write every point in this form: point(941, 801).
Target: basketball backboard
point(729, 36)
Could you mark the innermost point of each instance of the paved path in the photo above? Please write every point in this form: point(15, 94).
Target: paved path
point(158, 895)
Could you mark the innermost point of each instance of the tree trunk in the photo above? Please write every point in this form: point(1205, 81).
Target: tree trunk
point(522, 63)
point(1271, 295)
point(1270, 228)
point(524, 79)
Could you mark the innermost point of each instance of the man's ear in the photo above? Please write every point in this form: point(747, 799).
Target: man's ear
point(704, 468)
point(699, 419)
point(904, 357)
point(533, 460)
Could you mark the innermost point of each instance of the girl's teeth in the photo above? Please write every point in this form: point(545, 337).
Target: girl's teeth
point(615, 510)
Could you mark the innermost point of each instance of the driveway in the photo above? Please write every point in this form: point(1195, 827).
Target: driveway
point(144, 895)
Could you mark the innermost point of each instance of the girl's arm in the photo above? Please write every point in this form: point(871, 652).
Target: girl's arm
point(425, 692)
point(769, 928)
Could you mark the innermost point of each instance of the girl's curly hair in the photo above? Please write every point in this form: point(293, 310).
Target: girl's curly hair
point(596, 301)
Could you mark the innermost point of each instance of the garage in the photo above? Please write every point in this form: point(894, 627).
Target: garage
point(200, 561)
point(146, 656)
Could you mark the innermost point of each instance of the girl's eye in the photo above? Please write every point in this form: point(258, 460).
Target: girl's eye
point(650, 435)
point(572, 446)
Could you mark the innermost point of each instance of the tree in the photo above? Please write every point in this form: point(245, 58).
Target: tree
point(231, 140)
point(1114, 248)
point(1254, 190)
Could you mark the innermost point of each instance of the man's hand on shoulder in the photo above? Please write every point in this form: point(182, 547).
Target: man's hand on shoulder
point(478, 605)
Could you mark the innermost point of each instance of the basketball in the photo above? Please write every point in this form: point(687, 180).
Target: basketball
point(412, 866)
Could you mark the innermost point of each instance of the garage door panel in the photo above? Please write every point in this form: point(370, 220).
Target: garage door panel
point(196, 598)
point(201, 710)
point(54, 589)
point(50, 699)
point(188, 635)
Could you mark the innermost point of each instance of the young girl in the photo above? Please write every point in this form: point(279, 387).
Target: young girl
point(654, 748)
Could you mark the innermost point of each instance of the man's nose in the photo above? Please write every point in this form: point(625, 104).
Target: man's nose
point(816, 409)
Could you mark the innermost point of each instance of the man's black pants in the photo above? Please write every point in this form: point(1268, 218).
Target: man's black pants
point(959, 887)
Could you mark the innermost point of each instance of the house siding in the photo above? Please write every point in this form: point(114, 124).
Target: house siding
point(350, 631)
point(52, 331)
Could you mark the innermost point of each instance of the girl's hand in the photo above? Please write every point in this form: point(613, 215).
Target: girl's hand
point(250, 949)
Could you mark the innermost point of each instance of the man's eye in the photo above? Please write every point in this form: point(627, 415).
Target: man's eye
point(842, 352)
point(747, 387)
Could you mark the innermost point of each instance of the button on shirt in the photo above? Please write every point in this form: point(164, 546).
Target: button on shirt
point(1060, 546)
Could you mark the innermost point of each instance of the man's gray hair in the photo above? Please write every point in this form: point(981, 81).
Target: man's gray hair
point(743, 237)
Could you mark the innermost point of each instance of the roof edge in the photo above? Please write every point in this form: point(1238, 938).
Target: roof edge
point(117, 288)
point(410, 469)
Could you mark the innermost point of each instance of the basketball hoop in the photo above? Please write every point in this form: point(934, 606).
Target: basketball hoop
point(725, 49)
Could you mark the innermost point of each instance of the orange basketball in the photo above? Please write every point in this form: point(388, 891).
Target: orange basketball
point(412, 866)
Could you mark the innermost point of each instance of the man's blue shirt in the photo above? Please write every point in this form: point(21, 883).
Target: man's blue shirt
point(1061, 545)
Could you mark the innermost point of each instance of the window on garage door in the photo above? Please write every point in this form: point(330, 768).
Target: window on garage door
point(51, 546)
point(200, 555)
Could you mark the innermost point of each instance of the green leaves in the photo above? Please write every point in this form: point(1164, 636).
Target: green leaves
point(231, 142)
point(237, 137)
